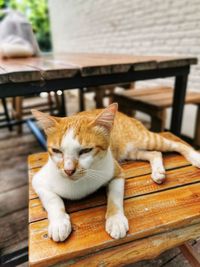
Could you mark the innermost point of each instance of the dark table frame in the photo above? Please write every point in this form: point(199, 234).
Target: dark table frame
point(79, 81)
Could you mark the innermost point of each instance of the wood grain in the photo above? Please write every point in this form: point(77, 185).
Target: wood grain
point(155, 212)
point(51, 68)
point(17, 71)
point(142, 249)
point(11, 205)
point(157, 97)
point(98, 64)
point(134, 187)
point(147, 215)
point(37, 160)
point(57, 66)
point(13, 228)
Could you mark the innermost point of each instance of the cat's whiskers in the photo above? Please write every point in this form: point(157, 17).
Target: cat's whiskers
point(95, 175)
point(96, 171)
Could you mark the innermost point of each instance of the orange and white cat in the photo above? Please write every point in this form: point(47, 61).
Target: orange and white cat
point(84, 151)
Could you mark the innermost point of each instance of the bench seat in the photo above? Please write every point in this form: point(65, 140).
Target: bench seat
point(160, 217)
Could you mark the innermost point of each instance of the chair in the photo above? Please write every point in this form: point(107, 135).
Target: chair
point(154, 102)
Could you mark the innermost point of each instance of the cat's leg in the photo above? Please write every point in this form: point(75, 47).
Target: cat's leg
point(153, 141)
point(116, 221)
point(188, 152)
point(156, 162)
point(59, 221)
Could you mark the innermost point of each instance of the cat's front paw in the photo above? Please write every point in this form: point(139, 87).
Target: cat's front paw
point(117, 226)
point(194, 158)
point(158, 175)
point(60, 228)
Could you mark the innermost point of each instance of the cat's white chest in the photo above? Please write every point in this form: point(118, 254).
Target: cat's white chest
point(50, 179)
point(88, 184)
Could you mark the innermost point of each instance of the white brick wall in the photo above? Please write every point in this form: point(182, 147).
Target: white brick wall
point(150, 27)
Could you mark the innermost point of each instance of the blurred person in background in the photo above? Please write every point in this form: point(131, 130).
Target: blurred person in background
point(16, 36)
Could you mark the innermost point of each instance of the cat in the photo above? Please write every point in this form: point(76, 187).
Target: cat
point(84, 151)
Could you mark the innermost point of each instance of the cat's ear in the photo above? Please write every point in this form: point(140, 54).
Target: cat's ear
point(106, 117)
point(47, 122)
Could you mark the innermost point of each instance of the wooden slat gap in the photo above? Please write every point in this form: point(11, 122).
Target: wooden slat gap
point(180, 217)
point(161, 190)
point(170, 169)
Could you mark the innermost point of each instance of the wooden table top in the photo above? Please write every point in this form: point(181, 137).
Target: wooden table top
point(160, 217)
point(56, 66)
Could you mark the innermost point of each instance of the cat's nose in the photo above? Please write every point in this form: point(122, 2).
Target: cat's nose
point(70, 172)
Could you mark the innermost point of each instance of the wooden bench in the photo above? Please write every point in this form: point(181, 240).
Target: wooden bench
point(154, 102)
point(160, 217)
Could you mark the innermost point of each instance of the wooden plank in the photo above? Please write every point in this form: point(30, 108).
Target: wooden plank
point(164, 100)
point(52, 69)
point(99, 59)
point(131, 169)
point(13, 200)
point(160, 97)
point(13, 228)
point(145, 91)
point(15, 247)
point(174, 63)
point(67, 65)
point(17, 71)
point(37, 160)
point(191, 98)
point(97, 64)
point(134, 187)
point(143, 249)
point(11, 178)
point(13, 173)
point(147, 215)
point(32, 193)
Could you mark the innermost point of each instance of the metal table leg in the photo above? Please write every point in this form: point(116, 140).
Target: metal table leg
point(6, 113)
point(81, 99)
point(63, 112)
point(178, 103)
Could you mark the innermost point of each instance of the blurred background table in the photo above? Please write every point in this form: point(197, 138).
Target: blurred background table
point(21, 77)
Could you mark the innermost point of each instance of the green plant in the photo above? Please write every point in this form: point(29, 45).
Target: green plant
point(37, 13)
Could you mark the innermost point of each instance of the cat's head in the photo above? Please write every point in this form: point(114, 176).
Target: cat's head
point(76, 143)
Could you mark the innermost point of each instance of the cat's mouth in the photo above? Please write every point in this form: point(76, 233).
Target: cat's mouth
point(74, 177)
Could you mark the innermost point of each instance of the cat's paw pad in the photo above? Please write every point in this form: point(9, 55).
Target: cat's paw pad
point(59, 229)
point(117, 226)
point(194, 158)
point(158, 175)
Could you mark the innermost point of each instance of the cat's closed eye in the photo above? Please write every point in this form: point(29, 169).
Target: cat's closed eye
point(85, 151)
point(57, 151)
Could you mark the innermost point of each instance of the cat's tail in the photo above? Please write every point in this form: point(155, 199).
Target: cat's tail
point(154, 141)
